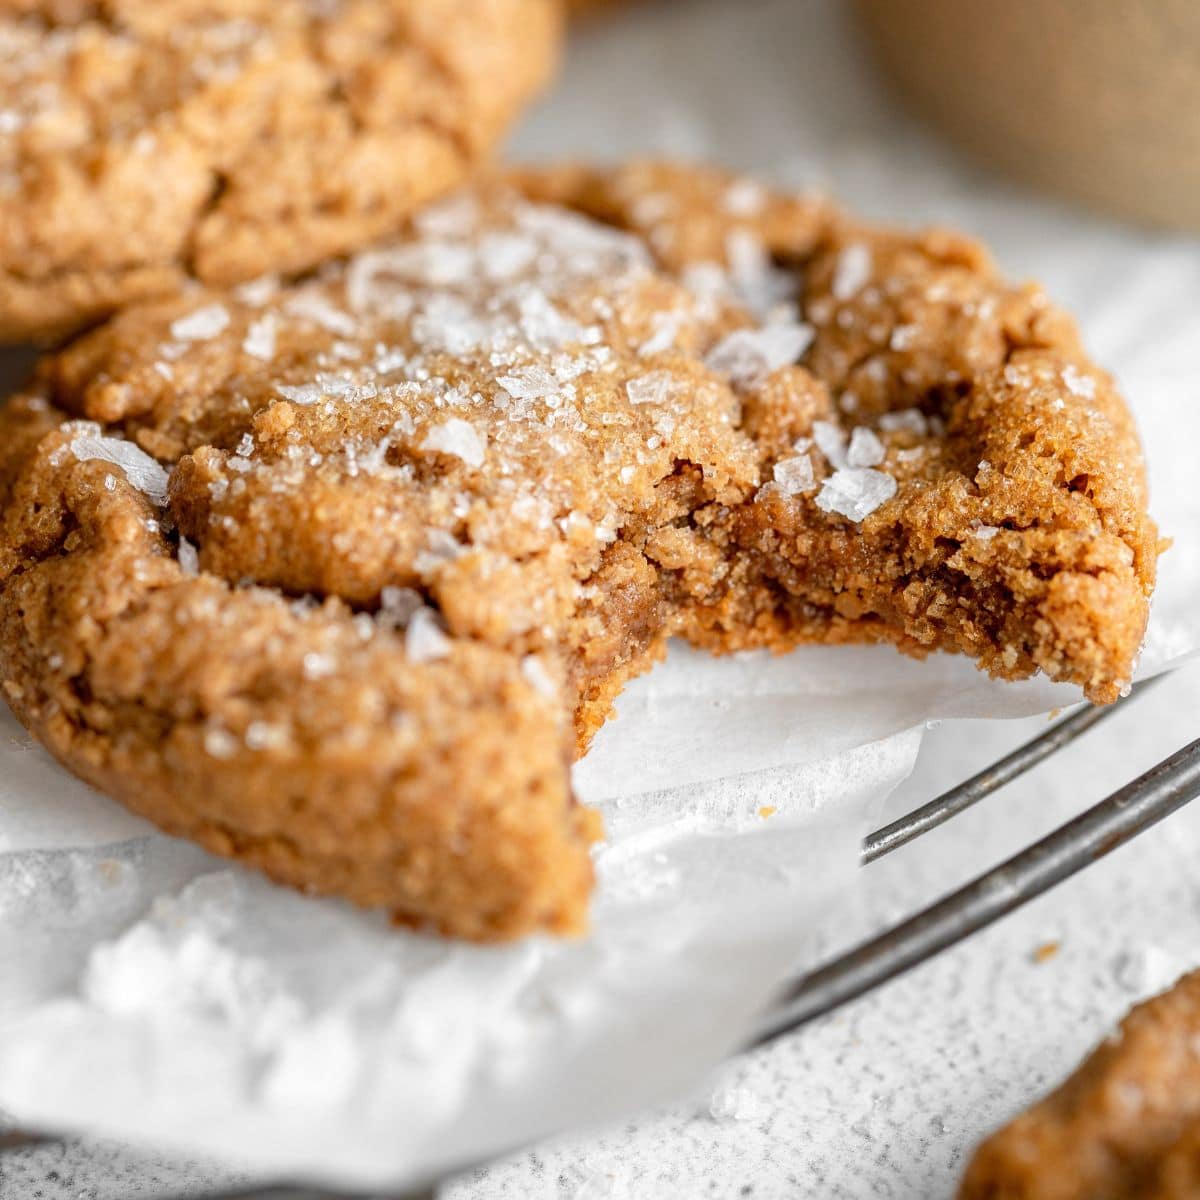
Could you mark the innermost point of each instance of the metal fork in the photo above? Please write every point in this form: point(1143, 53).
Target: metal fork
point(1111, 823)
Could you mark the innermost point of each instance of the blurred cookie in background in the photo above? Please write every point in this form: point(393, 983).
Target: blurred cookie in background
point(1125, 1126)
point(145, 145)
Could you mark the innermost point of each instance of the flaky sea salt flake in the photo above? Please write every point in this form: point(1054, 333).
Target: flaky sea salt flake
point(201, 325)
point(220, 743)
point(534, 671)
point(856, 492)
point(748, 356)
point(441, 547)
point(313, 306)
point(904, 420)
point(396, 607)
point(544, 327)
point(852, 271)
point(655, 388)
point(745, 198)
point(458, 438)
point(758, 282)
point(317, 665)
point(795, 475)
point(424, 640)
point(258, 291)
point(453, 217)
point(665, 335)
point(505, 255)
point(865, 450)
point(142, 471)
point(831, 441)
point(189, 558)
point(531, 383)
point(259, 341)
point(1077, 383)
point(304, 393)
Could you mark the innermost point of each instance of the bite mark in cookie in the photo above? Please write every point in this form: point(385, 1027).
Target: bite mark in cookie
point(396, 534)
point(978, 483)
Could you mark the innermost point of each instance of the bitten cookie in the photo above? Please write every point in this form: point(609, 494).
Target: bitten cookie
point(336, 576)
point(145, 144)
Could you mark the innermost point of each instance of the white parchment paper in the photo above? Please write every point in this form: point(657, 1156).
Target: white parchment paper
point(153, 993)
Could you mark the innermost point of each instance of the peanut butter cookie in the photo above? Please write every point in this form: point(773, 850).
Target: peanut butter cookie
point(336, 576)
point(1125, 1126)
point(143, 144)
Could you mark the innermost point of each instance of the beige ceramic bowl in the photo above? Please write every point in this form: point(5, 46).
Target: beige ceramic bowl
point(1097, 100)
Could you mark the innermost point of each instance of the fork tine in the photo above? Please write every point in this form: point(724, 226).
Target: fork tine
point(991, 779)
point(1090, 836)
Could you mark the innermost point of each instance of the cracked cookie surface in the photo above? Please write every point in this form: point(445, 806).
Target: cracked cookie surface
point(337, 575)
point(145, 144)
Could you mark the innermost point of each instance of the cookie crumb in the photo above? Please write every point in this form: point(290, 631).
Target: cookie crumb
point(1045, 952)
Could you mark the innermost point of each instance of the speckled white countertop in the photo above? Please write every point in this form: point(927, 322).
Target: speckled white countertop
point(886, 1098)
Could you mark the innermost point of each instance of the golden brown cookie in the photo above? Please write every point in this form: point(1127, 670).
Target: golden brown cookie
point(144, 144)
point(336, 576)
point(1125, 1126)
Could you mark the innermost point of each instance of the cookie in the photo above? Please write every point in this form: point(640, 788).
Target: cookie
point(336, 576)
point(143, 145)
point(1125, 1126)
